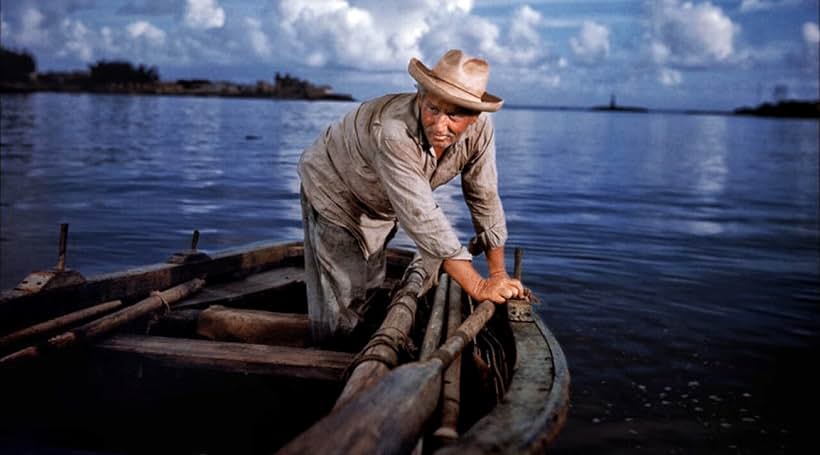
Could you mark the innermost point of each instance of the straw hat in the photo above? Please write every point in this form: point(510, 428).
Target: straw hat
point(459, 79)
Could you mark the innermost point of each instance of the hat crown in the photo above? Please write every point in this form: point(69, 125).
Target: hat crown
point(458, 78)
point(470, 74)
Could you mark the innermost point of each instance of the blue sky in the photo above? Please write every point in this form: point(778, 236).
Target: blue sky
point(678, 54)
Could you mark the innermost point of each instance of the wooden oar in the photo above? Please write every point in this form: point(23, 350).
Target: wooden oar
point(58, 323)
point(389, 417)
point(381, 352)
point(435, 326)
point(105, 324)
point(451, 393)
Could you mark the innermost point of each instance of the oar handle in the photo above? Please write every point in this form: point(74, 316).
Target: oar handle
point(519, 254)
point(63, 246)
point(465, 333)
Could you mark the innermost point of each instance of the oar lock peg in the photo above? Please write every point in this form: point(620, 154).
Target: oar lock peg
point(59, 276)
point(189, 256)
point(520, 310)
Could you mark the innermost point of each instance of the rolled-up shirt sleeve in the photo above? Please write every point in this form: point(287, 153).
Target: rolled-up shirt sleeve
point(412, 199)
point(479, 182)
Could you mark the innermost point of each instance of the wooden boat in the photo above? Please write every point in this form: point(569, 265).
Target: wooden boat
point(228, 369)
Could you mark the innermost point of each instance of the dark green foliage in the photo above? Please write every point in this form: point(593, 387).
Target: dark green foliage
point(16, 66)
point(788, 108)
point(121, 72)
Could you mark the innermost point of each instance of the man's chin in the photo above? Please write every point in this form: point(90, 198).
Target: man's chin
point(441, 144)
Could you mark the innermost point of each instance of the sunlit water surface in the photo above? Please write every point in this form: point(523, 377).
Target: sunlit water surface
point(676, 256)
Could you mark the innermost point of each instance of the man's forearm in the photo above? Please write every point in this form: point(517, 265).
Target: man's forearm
point(495, 260)
point(463, 273)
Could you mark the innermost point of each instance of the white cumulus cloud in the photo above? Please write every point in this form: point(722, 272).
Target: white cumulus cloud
point(385, 34)
point(690, 35)
point(524, 46)
point(592, 43)
point(761, 5)
point(811, 33)
point(811, 40)
point(79, 40)
point(670, 77)
point(145, 30)
point(204, 14)
point(32, 28)
point(256, 36)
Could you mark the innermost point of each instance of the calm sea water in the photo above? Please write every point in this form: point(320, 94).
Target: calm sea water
point(677, 256)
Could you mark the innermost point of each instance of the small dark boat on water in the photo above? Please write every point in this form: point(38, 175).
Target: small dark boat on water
point(209, 354)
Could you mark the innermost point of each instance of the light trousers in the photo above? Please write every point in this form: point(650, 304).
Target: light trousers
point(338, 278)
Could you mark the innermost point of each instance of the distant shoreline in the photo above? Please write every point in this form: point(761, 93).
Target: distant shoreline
point(297, 90)
point(785, 109)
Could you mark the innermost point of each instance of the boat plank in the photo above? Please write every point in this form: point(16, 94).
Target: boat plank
point(279, 361)
point(225, 293)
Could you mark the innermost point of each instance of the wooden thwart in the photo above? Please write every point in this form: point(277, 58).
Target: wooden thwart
point(253, 326)
point(240, 358)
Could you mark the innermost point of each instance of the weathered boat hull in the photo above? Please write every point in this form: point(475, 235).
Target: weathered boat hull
point(158, 384)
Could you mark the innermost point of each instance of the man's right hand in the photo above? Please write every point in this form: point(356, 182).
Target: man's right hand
point(498, 288)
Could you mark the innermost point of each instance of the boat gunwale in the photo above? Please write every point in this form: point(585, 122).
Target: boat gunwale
point(19, 308)
point(544, 425)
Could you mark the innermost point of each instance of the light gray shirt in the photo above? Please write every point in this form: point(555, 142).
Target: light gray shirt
point(372, 169)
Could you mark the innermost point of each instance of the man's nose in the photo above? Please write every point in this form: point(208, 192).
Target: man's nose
point(442, 123)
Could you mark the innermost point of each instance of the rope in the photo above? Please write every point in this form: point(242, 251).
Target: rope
point(155, 317)
point(397, 345)
point(165, 304)
point(398, 300)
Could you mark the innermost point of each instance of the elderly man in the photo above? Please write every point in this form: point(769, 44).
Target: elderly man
point(377, 167)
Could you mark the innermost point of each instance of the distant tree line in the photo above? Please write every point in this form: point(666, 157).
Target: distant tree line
point(16, 66)
point(786, 108)
point(19, 75)
point(121, 72)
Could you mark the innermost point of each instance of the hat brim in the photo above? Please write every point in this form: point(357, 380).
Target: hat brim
point(451, 93)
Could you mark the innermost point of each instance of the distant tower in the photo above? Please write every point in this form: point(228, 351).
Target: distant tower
point(612, 101)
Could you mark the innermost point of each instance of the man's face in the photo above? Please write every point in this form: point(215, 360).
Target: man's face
point(443, 122)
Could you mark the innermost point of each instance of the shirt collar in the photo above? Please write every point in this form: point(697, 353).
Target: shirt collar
point(419, 133)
